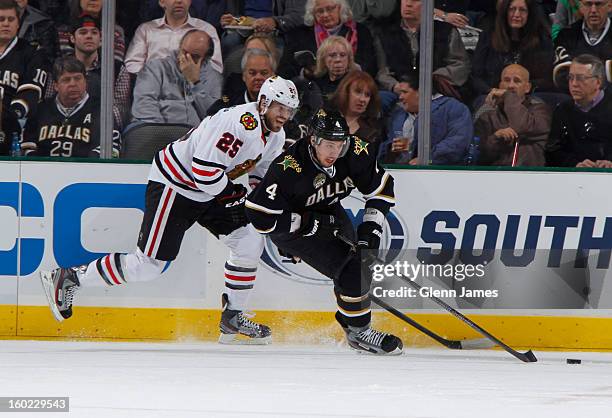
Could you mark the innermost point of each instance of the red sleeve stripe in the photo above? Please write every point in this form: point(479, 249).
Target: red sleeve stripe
point(205, 173)
point(175, 172)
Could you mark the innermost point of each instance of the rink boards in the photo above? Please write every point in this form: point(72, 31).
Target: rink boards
point(70, 213)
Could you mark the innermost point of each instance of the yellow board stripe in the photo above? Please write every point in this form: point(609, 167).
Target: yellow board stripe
point(537, 332)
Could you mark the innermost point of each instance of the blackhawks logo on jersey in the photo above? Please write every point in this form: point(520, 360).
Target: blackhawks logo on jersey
point(361, 146)
point(290, 162)
point(248, 121)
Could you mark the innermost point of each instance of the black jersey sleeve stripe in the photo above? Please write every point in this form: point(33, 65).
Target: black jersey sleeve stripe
point(208, 182)
point(178, 164)
point(170, 178)
point(208, 163)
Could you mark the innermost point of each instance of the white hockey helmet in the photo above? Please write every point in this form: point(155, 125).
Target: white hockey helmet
point(277, 89)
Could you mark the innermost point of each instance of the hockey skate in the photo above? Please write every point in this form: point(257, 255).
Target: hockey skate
point(366, 339)
point(60, 285)
point(237, 328)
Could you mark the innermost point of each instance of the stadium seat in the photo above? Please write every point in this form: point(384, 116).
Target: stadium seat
point(142, 141)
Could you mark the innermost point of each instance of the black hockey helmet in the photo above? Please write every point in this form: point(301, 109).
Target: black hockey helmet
point(330, 125)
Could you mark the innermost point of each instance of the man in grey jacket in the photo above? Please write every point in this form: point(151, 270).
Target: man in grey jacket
point(179, 88)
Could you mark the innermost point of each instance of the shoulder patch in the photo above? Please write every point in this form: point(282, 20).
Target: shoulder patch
point(248, 121)
point(319, 180)
point(290, 162)
point(360, 146)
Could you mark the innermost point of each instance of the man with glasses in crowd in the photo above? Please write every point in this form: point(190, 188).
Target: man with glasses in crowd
point(581, 133)
point(591, 35)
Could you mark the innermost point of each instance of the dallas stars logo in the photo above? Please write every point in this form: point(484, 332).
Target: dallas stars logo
point(361, 146)
point(290, 162)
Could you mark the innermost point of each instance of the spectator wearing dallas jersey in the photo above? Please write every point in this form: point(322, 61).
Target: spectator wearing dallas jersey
point(67, 125)
point(24, 69)
point(87, 39)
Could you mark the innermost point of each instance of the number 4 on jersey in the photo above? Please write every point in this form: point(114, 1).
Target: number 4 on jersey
point(229, 144)
point(271, 190)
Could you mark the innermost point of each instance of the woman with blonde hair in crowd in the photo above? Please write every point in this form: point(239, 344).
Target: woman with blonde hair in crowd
point(357, 99)
point(323, 19)
point(334, 61)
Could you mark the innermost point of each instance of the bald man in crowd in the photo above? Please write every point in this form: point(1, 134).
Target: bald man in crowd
point(509, 116)
point(179, 88)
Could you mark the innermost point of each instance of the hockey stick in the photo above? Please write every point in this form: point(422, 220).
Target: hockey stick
point(479, 343)
point(527, 357)
point(452, 344)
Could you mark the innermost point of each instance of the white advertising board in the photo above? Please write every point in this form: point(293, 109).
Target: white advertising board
point(89, 209)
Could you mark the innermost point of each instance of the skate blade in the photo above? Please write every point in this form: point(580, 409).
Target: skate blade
point(362, 351)
point(239, 339)
point(46, 279)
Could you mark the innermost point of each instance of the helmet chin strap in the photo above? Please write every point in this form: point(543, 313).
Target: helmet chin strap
point(262, 116)
point(330, 171)
point(265, 125)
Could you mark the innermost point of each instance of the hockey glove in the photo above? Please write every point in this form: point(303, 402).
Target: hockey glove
point(318, 224)
point(368, 241)
point(233, 198)
point(234, 194)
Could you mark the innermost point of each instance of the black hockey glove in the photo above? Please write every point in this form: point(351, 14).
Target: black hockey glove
point(233, 198)
point(368, 240)
point(318, 224)
point(234, 194)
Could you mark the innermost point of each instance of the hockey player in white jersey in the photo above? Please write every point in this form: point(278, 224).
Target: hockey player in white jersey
point(191, 181)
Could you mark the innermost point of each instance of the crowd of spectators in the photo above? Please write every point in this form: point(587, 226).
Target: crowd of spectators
point(531, 91)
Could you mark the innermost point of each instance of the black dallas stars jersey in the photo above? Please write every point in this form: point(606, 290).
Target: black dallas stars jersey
point(23, 75)
point(295, 184)
point(51, 133)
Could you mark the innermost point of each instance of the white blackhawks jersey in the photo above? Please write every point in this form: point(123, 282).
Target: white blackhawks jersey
point(196, 165)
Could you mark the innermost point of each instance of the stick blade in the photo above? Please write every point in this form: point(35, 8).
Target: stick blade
point(529, 357)
point(477, 344)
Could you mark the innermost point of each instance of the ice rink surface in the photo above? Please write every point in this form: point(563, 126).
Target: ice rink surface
point(105, 379)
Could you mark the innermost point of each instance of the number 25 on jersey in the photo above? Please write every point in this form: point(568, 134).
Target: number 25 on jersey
point(229, 144)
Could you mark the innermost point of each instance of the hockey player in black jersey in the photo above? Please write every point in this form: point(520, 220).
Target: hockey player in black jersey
point(298, 205)
point(67, 125)
point(23, 73)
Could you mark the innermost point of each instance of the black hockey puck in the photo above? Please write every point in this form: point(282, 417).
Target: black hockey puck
point(573, 361)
